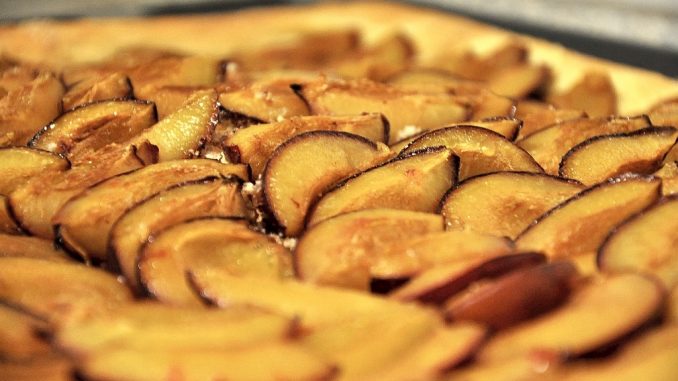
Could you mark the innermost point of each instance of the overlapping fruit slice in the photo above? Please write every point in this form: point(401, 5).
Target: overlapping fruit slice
point(324, 158)
point(182, 133)
point(93, 126)
point(209, 197)
point(503, 125)
point(480, 150)
point(515, 297)
point(93, 89)
point(19, 164)
point(152, 326)
point(178, 136)
point(603, 157)
point(503, 203)
point(580, 224)
point(220, 243)
point(31, 98)
point(483, 102)
point(340, 250)
point(600, 313)
point(407, 256)
point(665, 113)
point(35, 203)
point(518, 81)
point(84, 223)
point(303, 51)
point(647, 242)
point(270, 361)
point(594, 94)
point(549, 145)
point(415, 181)
point(337, 322)
point(255, 144)
point(537, 116)
point(30, 247)
point(359, 96)
point(262, 101)
point(439, 283)
point(31, 283)
point(198, 343)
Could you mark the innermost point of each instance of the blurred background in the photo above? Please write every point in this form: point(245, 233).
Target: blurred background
point(642, 33)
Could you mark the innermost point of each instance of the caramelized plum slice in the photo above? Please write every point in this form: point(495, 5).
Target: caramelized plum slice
point(378, 62)
point(359, 96)
point(549, 145)
point(506, 126)
point(32, 284)
point(84, 223)
point(308, 50)
point(316, 307)
point(403, 347)
point(594, 94)
point(479, 150)
point(28, 106)
point(408, 256)
point(518, 81)
point(580, 224)
point(503, 203)
point(343, 342)
point(181, 134)
point(255, 144)
point(30, 247)
point(597, 315)
point(20, 164)
point(423, 78)
point(282, 360)
point(106, 87)
point(602, 157)
point(441, 351)
point(513, 298)
point(437, 284)
point(153, 326)
point(324, 158)
point(416, 181)
point(210, 197)
point(93, 126)
point(36, 202)
point(213, 242)
point(263, 101)
point(469, 64)
point(537, 115)
point(665, 113)
point(646, 242)
point(484, 103)
point(341, 250)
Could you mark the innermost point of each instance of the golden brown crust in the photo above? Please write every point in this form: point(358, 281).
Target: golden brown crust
point(58, 43)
